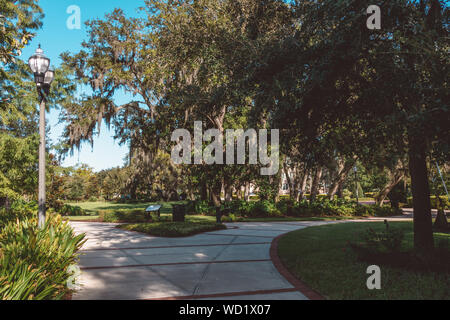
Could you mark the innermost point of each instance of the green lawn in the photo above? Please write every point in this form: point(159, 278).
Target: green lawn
point(320, 257)
point(95, 207)
point(173, 229)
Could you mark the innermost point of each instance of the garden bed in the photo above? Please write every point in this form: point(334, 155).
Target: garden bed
point(173, 229)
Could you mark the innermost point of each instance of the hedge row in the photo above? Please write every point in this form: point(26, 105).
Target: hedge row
point(285, 207)
point(434, 202)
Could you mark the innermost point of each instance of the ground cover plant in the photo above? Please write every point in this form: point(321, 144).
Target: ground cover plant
point(34, 262)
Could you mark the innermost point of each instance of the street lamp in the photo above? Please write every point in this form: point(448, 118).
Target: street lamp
point(355, 169)
point(43, 76)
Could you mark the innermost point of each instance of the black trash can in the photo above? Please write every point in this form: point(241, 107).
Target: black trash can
point(178, 212)
point(218, 215)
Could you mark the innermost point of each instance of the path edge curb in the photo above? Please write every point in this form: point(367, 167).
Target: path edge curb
point(298, 284)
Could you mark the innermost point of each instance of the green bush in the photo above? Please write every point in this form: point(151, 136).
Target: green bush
point(434, 202)
point(264, 208)
point(389, 240)
point(199, 207)
point(239, 207)
point(68, 210)
point(337, 207)
point(123, 215)
point(34, 262)
point(20, 210)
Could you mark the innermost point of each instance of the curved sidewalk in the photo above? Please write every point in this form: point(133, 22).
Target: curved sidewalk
point(227, 264)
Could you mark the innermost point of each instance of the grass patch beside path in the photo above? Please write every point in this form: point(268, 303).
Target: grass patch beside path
point(173, 229)
point(320, 257)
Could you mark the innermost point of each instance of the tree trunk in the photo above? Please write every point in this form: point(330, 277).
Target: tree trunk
point(289, 180)
point(395, 179)
point(7, 203)
point(247, 191)
point(228, 192)
point(215, 191)
point(315, 183)
point(215, 197)
point(239, 193)
point(423, 228)
point(279, 182)
point(343, 171)
point(204, 192)
point(301, 193)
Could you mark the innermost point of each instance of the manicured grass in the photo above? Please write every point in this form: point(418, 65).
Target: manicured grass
point(173, 229)
point(320, 256)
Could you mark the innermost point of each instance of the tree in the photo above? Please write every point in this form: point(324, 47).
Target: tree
point(18, 20)
point(185, 62)
point(385, 88)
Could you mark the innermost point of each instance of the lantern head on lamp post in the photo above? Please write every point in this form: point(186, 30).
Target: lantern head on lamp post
point(48, 79)
point(43, 76)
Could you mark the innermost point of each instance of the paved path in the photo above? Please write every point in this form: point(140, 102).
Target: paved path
point(226, 264)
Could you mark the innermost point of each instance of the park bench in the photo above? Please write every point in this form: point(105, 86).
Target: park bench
point(154, 208)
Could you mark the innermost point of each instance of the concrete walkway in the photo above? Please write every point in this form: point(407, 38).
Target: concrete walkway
point(227, 264)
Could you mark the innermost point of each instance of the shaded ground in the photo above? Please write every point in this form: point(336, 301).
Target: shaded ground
point(322, 258)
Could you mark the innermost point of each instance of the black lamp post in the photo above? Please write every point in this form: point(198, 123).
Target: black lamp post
point(355, 169)
point(43, 76)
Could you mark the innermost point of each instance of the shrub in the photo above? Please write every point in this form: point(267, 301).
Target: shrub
point(389, 240)
point(68, 210)
point(199, 207)
point(239, 207)
point(434, 202)
point(34, 262)
point(264, 208)
point(20, 210)
point(285, 206)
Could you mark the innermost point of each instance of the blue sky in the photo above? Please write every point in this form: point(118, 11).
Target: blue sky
point(56, 38)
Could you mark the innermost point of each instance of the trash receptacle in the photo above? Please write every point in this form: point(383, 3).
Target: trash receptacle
point(178, 212)
point(218, 215)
